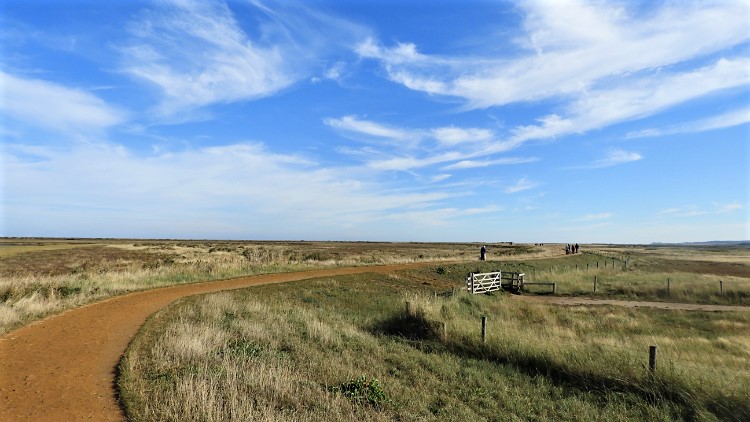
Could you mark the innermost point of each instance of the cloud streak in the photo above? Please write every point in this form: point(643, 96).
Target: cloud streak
point(197, 53)
point(721, 121)
point(56, 107)
point(247, 187)
point(615, 157)
point(575, 45)
point(521, 185)
point(604, 63)
point(411, 148)
point(692, 211)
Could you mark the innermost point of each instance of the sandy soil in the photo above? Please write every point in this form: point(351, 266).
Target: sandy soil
point(63, 367)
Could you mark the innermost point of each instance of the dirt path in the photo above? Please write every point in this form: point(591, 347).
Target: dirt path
point(583, 301)
point(63, 367)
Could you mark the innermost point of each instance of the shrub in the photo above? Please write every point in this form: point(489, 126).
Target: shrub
point(361, 391)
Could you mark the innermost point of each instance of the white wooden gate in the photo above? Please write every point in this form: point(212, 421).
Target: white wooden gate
point(490, 282)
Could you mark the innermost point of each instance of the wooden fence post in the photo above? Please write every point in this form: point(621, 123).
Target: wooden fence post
point(668, 284)
point(554, 287)
point(652, 359)
point(721, 286)
point(587, 266)
point(597, 264)
point(444, 330)
point(408, 308)
point(484, 329)
point(595, 280)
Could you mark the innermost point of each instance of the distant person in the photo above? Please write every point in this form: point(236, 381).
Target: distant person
point(576, 246)
point(567, 248)
point(482, 253)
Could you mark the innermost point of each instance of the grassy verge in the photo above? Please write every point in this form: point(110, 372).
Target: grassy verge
point(346, 348)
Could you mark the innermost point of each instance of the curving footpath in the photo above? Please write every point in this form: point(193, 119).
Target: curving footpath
point(63, 367)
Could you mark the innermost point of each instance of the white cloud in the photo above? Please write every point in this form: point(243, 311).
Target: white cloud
point(468, 164)
point(721, 121)
point(409, 163)
point(244, 186)
point(615, 157)
point(412, 148)
point(693, 211)
point(521, 185)
point(604, 62)
point(54, 106)
point(629, 100)
point(335, 72)
point(576, 45)
point(452, 135)
point(439, 178)
point(198, 54)
point(366, 127)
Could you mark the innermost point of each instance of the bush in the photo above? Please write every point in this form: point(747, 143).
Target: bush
point(361, 391)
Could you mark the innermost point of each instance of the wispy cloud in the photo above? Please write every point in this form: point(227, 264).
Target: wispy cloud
point(693, 211)
point(245, 185)
point(521, 185)
point(468, 164)
point(613, 158)
point(632, 99)
point(730, 119)
point(198, 54)
point(369, 128)
point(413, 148)
point(452, 135)
point(53, 106)
point(439, 178)
point(213, 61)
point(574, 45)
point(604, 63)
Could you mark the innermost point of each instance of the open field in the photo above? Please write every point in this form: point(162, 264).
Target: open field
point(515, 367)
point(345, 348)
point(39, 277)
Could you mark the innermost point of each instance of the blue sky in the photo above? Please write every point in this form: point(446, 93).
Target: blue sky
point(531, 121)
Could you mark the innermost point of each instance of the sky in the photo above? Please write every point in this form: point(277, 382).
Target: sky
point(376, 120)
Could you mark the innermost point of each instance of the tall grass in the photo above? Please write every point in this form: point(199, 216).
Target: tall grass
point(283, 353)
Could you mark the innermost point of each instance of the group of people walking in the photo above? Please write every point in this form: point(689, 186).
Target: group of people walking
point(569, 249)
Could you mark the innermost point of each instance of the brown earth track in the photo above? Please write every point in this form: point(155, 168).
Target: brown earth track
point(63, 367)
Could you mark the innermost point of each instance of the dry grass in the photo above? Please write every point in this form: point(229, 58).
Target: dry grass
point(281, 352)
point(39, 277)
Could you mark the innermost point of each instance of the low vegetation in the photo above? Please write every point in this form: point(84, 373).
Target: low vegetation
point(347, 348)
point(43, 276)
